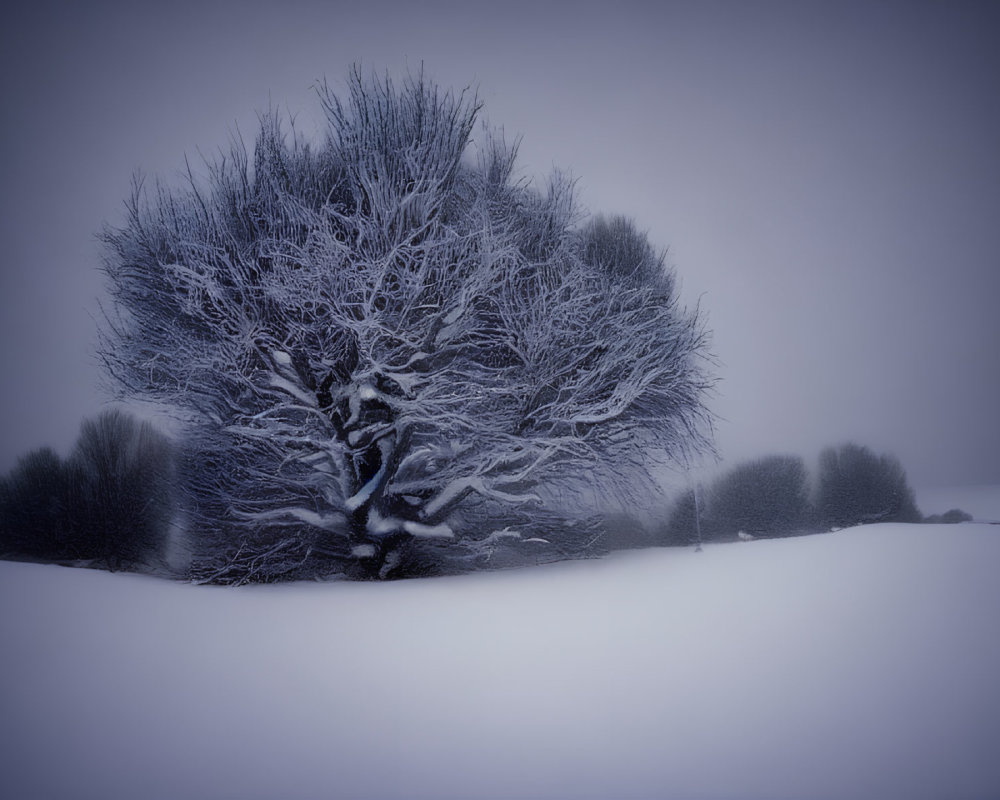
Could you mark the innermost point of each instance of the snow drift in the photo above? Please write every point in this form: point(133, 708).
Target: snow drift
point(856, 664)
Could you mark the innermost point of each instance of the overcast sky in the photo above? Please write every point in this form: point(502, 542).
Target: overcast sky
point(826, 177)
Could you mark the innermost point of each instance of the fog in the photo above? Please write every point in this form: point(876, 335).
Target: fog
point(827, 180)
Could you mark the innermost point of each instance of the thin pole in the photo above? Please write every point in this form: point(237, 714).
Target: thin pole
point(697, 519)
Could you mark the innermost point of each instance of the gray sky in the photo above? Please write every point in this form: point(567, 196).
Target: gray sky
point(826, 176)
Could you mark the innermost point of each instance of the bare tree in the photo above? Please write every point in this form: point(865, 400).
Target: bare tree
point(121, 469)
point(109, 504)
point(767, 496)
point(387, 339)
point(36, 509)
point(856, 487)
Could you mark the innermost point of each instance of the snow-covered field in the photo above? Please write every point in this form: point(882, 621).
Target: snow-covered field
point(864, 663)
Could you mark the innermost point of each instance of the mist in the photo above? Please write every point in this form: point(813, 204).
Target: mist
point(826, 180)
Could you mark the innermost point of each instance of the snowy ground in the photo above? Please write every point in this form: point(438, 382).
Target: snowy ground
point(858, 664)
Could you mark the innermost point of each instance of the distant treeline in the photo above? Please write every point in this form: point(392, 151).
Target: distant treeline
point(775, 496)
point(113, 502)
point(109, 504)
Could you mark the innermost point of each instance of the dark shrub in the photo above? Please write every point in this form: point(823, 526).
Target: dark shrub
point(855, 487)
point(122, 473)
point(36, 518)
point(765, 497)
point(682, 527)
point(949, 517)
point(624, 532)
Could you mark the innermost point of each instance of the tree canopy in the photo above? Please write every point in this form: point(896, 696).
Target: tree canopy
point(387, 339)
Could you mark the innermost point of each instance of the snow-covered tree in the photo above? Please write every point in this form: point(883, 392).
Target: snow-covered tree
point(388, 339)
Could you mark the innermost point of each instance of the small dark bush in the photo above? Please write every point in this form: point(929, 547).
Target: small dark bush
point(36, 514)
point(855, 487)
point(949, 517)
point(765, 497)
point(123, 474)
point(624, 532)
point(682, 527)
